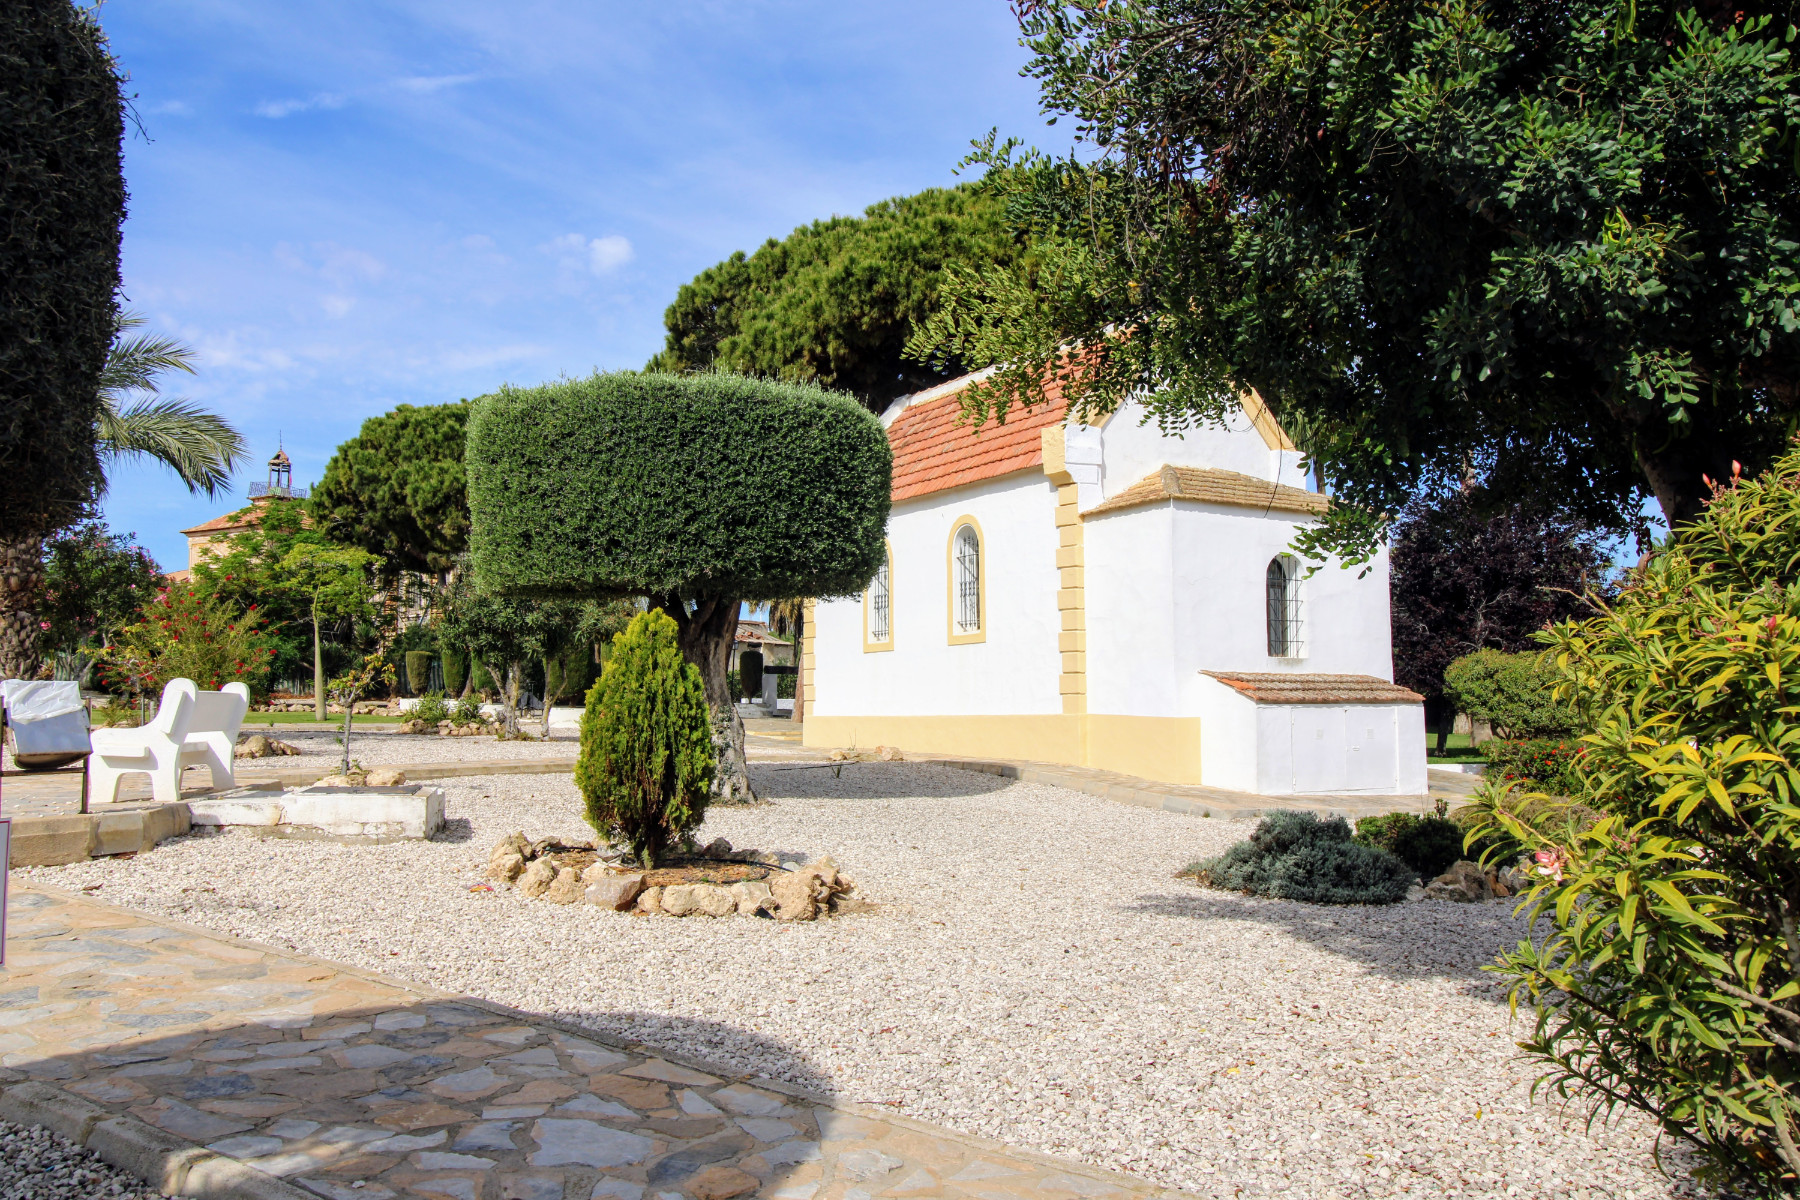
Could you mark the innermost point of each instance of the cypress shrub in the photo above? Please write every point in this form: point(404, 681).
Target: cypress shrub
point(456, 669)
point(418, 671)
point(750, 673)
point(480, 678)
point(646, 760)
point(62, 199)
point(1430, 845)
point(1296, 856)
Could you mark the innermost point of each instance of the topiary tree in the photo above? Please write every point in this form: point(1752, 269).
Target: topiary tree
point(418, 671)
point(398, 488)
point(62, 199)
point(646, 764)
point(691, 491)
point(1665, 962)
point(1296, 856)
point(1515, 693)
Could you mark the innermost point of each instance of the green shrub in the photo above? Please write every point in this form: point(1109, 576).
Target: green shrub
point(467, 711)
point(1540, 764)
point(418, 671)
point(481, 680)
point(1296, 856)
point(646, 760)
point(1515, 693)
point(431, 708)
point(1428, 844)
point(750, 673)
point(456, 668)
point(734, 685)
point(570, 673)
point(1669, 976)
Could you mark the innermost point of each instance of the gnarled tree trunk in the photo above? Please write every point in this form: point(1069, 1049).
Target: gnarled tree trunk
point(21, 577)
point(706, 634)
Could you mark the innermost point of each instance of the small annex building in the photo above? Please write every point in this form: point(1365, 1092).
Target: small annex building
point(1113, 596)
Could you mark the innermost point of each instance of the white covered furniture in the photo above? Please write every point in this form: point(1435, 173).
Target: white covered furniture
point(191, 728)
point(48, 722)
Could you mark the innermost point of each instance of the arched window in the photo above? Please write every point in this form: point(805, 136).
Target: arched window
point(968, 593)
point(1282, 588)
point(878, 608)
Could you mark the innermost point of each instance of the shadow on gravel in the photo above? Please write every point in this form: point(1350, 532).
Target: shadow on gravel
point(246, 1052)
point(1429, 940)
point(869, 780)
point(456, 829)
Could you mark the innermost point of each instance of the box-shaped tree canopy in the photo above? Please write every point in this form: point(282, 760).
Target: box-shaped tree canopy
point(676, 486)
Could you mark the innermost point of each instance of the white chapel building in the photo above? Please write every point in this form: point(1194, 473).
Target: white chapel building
point(1118, 597)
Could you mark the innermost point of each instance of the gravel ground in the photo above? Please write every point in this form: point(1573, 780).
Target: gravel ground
point(1036, 975)
point(36, 1164)
point(373, 749)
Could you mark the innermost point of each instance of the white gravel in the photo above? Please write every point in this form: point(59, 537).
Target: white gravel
point(36, 1164)
point(1037, 976)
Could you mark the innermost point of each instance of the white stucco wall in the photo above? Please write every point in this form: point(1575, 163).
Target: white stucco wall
point(1014, 671)
point(1301, 749)
point(1177, 588)
point(1132, 449)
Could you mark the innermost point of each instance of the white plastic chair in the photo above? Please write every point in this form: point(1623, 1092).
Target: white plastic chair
point(155, 749)
point(212, 733)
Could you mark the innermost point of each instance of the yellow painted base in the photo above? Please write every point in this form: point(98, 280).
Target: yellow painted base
point(1164, 749)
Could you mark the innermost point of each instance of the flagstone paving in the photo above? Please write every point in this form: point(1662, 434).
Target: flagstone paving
point(357, 1087)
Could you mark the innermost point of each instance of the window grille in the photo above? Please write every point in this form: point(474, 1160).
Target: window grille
point(878, 605)
point(1283, 591)
point(968, 581)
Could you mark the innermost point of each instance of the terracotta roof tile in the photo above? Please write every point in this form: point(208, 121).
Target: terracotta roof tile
point(1282, 688)
point(935, 451)
point(1213, 486)
point(244, 518)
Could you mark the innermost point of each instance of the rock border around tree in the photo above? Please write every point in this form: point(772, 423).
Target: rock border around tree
point(714, 881)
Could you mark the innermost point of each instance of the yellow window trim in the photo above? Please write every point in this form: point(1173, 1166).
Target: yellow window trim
point(871, 647)
point(981, 575)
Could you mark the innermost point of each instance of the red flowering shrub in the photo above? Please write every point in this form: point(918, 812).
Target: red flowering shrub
point(1537, 764)
point(182, 635)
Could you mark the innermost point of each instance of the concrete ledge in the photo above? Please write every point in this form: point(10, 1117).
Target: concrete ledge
point(172, 1164)
point(56, 841)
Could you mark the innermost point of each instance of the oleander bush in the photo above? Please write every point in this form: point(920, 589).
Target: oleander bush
point(1538, 764)
point(1668, 979)
point(1296, 856)
point(467, 711)
point(1428, 844)
point(646, 762)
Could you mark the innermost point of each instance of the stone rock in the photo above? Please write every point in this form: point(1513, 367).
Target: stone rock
point(752, 896)
point(613, 889)
point(506, 868)
point(1465, 882)
point(512, 843)
point(261, 745)
point(678, 899)
point(889, 754)
point(711, 900)
point(342, 781)
point(417, 726)
point(1415, 892)
point(1515, 880)
point(650, 900)
point(767, 858)
point(717, 848)
point(720, 1183)
point(537, 879)
point(386, 777)
point(798, 895)
point(567, 889)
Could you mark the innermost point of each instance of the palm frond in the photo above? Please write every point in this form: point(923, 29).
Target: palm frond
point(133, 363)
point(200, 447)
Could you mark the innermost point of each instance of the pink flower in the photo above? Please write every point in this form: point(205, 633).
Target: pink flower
point(1551, 863)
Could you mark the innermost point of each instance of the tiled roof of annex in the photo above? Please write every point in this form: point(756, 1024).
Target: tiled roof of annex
point(936, 450)
point(1213, 485)
point(1266, 687)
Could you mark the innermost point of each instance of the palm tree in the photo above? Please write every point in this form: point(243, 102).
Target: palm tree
point(200, 447)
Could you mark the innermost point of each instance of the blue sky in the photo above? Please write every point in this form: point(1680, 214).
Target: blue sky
point(344, 205)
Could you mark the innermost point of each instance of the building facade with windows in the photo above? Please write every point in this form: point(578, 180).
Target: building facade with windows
point(1113, 596)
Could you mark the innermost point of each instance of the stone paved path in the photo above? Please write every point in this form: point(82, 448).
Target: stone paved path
point(357, 1087)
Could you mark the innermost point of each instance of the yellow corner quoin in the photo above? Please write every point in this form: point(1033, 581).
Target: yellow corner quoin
point(979, 634)
point(808, 640)
point(1071, 596)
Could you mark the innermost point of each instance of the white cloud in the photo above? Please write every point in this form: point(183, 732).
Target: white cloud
point(277, 109)
point(172, 108)
point(601, 255)
point(338, 306)
point(433, 83)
